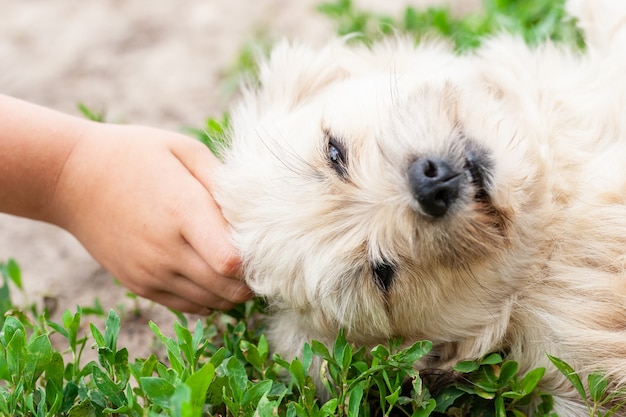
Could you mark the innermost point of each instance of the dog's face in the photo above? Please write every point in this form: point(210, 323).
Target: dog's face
point(384, 202)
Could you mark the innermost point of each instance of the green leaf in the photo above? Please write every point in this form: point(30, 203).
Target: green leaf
point(107, 387)
point(532, 379)
point(16, 353)
point(185, 342)
point(545, 406)
point(466, 367)
point(570, 374)
point(97, 335)
point(251, 354)
point(380, 352)
point(83, 409)
point(218, 357)
point(70, 392)
point(112, 330)
point(426, 409)
point(446, 398)
point(180, 403)
point(492, 359)
point(10, 326)
point(199, 342)
point(237, 378)
point(122, 370)
point(346, 357)
point(266, 407)
point(199, 383)
point(158, 390)
point(12, 270)
point(148, 366)
point(392, 398)
point(354, 401)
point(307, 357)
point(90, 114)
point(54, 371)
point(254, 394)
point(173, 350)
point(339, 348)
point(329, 408)
point(507, 371)
point(297, 372)
point(320, 350)
point(71, 322)
point(416, 352)
point(500, 407)
point(39, 357)
point(597, 386)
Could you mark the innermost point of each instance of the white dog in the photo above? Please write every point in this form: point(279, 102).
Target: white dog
point(476, 201)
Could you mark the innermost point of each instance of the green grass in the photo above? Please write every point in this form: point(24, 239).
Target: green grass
point(536, 21)
point(222, 366)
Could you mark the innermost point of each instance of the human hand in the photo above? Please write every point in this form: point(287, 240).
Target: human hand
point(139, 200)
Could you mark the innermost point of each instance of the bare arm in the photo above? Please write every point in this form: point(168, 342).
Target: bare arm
point(137, 198)
point(35, 143)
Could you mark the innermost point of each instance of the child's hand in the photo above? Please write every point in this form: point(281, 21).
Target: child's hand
point(139, 200)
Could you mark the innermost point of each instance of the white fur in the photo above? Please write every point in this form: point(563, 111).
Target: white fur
point(538, 270)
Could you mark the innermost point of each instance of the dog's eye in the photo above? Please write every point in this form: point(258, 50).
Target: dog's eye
point(384, 273)
point(336, 157)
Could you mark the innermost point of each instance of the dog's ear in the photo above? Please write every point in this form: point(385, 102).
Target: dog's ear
point(295, 72)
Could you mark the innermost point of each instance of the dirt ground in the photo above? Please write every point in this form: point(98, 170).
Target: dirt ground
point(156, 63)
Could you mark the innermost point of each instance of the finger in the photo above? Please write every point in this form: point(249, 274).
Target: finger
point(207, 233)
point(182, 304)
point(210, 238)
point(184, 295)
point(198, 159)
point(206, 280)
point(166, 298)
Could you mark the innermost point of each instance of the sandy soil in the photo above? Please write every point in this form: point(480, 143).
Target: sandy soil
point(156, 63)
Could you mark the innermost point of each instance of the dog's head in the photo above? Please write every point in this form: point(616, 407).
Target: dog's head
point(382, 191)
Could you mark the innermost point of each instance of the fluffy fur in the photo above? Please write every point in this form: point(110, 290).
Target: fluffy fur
point(530, 255)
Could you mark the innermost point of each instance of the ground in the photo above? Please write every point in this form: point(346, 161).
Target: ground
point(161, 64)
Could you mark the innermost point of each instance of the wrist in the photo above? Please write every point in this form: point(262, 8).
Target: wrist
point(35, 143)
point(74, 182)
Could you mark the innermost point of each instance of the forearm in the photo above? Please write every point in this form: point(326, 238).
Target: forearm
point(35, 143)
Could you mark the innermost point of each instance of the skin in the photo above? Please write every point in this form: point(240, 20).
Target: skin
point(139, 200)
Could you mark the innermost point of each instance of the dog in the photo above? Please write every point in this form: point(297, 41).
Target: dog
point(475, 200)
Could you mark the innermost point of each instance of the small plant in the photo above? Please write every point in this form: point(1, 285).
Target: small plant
point(214, 134)
point(90, 114)
point(536, 21)
point(11, 274)
point(223, 367)
point(220, 367)
point(601, 402)
point(494, 384)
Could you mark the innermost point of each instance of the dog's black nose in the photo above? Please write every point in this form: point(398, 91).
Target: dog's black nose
point(435, 185)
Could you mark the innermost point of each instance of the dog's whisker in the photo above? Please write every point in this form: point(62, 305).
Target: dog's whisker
point(292, 161)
